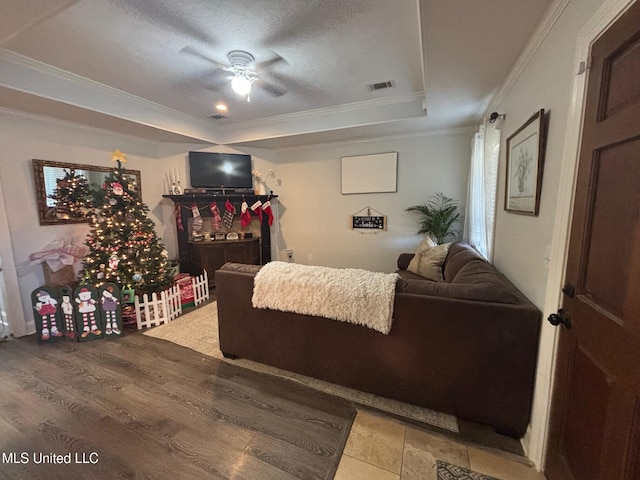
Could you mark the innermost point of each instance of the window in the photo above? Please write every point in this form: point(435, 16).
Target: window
point(480, 215)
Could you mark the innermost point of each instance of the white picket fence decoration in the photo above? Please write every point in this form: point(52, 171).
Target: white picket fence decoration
point(174, 305)
point(200, 288)
point(159, 309)
point(166, 306)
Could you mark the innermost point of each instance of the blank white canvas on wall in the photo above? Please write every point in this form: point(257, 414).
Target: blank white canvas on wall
point(375, 173)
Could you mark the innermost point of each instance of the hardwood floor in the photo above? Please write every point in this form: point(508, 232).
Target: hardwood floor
point(145, 408)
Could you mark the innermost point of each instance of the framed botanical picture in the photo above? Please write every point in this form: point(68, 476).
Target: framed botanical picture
point(525, 161)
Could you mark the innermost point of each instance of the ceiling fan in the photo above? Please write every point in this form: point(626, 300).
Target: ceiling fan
point(241, 73)
point(244, 75)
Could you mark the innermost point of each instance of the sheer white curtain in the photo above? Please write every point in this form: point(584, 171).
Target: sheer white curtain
point(480, 213)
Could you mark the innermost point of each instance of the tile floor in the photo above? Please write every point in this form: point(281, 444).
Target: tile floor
point(380, 448)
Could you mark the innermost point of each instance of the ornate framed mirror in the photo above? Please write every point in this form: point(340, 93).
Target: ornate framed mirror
point(67, 192)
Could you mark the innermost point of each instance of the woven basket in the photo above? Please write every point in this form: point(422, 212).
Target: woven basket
point(65, 276)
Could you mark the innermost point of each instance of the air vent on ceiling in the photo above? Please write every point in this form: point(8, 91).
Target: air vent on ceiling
point(217, 116)
point(380, 85)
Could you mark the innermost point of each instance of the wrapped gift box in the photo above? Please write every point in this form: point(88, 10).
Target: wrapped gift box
point(183, 280)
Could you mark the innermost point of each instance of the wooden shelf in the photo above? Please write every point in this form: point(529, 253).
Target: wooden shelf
point(218, 196)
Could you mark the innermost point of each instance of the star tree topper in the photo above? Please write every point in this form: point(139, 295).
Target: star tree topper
point(118, 156)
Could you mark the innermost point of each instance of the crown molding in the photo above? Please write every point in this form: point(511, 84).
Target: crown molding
point(324, 111)
point(357, 114)
point(55, 72)
point(55, 84)
point(66, 123)
point(31, 76)
point(551, 17)
point(387, 138)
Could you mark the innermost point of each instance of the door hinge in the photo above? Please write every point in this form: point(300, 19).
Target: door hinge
point(585, 65)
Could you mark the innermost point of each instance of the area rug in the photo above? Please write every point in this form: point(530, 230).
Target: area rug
point(448, 471)
point(198, 330)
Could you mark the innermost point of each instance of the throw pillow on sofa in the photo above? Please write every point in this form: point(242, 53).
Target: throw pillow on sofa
point(427, 262)
point(426, 243)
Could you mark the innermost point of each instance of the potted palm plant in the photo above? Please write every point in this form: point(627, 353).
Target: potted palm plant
point(438, 217)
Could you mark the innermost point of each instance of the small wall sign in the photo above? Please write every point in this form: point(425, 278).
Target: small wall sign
point(369, 222)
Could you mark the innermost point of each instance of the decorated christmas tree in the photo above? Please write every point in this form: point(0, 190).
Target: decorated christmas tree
point(123, 246)
point(72, 195)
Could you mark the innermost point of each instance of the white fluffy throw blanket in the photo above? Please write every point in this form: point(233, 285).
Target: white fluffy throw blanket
point(345, 294)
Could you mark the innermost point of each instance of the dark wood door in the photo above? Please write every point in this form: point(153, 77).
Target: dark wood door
point(595, 419)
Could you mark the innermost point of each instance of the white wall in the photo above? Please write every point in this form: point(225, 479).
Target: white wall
point(522, 241)
point(24, 139)
point(315, 215)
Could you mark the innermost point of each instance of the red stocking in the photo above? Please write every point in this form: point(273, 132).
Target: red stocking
point(245, 216)
point(179, 217)
point(216, 221)
point(255, 208)
point(266, 206)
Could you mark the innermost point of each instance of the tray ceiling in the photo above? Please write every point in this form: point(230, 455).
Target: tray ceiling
point(160, 64)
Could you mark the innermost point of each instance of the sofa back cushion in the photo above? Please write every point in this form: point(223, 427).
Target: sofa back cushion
point(241, 268)
point(467, 275)
point(404, 259)
point(478, 274)
point(460, 254)
point(491, 291)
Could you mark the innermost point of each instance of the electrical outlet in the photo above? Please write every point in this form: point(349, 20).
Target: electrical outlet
point(289, 253)
point(547, 255)
point(310, 257)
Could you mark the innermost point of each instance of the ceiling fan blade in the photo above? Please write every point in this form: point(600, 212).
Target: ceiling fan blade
point(294, 85)
point(189, 50)
point(192, 83)
point(216, 81)
point(271, 88)
point(269, 63)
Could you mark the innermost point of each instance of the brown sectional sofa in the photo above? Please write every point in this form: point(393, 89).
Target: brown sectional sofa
point(466, 346)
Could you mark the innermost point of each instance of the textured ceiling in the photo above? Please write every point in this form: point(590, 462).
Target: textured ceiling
point(159, 63)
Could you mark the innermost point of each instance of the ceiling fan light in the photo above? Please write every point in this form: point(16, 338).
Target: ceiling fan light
point(241, 85)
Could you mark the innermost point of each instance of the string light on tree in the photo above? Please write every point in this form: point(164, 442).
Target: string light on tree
point(123, 246)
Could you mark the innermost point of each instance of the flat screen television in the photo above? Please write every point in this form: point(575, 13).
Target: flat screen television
point(220, 170)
